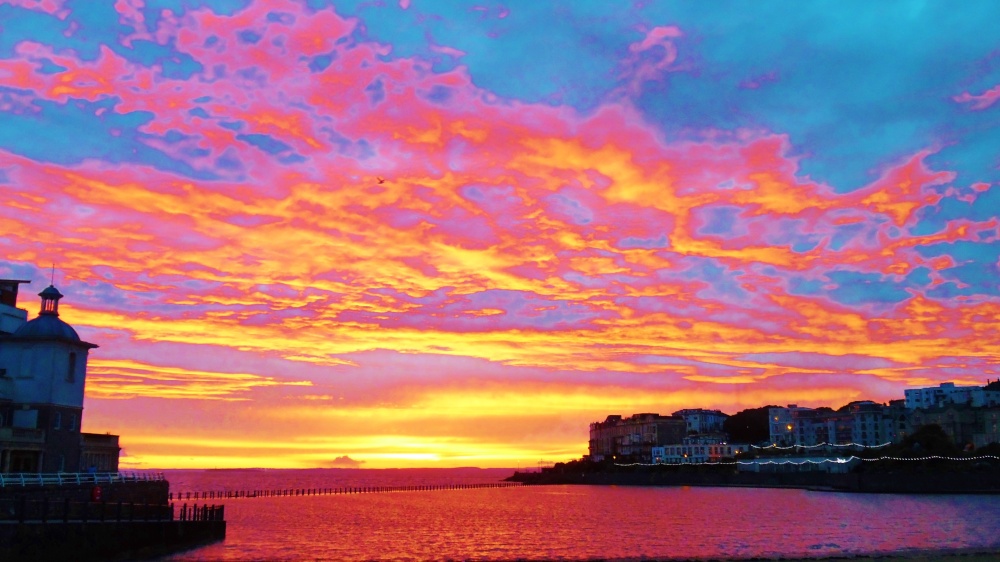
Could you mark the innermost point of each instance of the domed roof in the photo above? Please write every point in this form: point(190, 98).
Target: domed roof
point(47, 326)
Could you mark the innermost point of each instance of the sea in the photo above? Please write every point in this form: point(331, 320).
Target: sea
point(569, 522)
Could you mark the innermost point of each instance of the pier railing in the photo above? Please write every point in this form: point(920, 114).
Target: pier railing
point(204, 513)
point(49, 510)
point(67, 478)
point(285, 492)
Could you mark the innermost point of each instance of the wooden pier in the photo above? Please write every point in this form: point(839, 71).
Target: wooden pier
point(292, 492)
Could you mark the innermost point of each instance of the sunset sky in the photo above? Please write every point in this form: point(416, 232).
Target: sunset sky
point(588, 208)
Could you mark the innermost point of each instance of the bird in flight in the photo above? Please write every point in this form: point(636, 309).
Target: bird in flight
point(380, 179)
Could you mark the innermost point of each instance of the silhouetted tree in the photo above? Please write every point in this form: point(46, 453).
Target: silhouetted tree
point(749, 426)
point(931, 440)
point(989, 449)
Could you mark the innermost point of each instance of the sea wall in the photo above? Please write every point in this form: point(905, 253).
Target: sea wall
point(875, 482)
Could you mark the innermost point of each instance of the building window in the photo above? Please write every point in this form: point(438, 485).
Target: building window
point(71, 372)
point(72, 422)
point(56, 420)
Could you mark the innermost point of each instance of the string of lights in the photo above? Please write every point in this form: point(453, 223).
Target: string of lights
point(976, 458)
point(859, 445)
point(807, 461)
point(810, 461)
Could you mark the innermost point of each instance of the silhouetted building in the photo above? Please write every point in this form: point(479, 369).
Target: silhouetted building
point(863, 423)
point(965, 425)
point(632, 439)
point(43, 369)
point(895, 422)
point(700, 420)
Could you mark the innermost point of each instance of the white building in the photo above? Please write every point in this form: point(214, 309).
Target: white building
point(696, 452)
point(43, 367)
point(948, 393)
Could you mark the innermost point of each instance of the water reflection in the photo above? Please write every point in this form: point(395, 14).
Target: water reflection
point(581, 522)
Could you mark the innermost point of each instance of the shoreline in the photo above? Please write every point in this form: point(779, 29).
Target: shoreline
point(901, 482)
point(930, 555)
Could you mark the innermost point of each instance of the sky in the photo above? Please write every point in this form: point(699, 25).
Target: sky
point(434, 234)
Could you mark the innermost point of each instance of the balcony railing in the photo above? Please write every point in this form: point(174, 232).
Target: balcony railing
point(69, 478)
point(23, 435)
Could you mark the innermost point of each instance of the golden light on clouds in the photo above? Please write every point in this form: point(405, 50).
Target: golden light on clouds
point(287, 226)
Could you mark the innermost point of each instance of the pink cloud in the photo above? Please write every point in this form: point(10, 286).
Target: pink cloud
point(981, 101)
point(644, 63)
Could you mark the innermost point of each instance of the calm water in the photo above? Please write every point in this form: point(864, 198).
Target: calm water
point(573, 522)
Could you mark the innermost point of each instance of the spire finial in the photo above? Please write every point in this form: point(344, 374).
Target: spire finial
point(52, 281)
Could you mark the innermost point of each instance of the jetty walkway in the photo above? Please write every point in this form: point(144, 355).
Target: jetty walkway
point(292, 492)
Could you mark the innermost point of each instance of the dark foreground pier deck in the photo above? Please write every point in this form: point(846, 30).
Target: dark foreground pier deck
point(95, 518)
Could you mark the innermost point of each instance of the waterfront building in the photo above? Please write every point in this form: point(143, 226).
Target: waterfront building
point(965, 425)
point(632, 439)
point(863, 423)
point(782, 426)
point(868, 425)
point(43, 370)
point(699, 420)
point(895, 423)
point(987, 428)
point(697, 450)
point(948, 393)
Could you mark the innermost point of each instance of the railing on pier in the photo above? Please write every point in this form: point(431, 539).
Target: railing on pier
point(284, 492)
point(49, 510)
point(68, 478)
point(204, 513)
